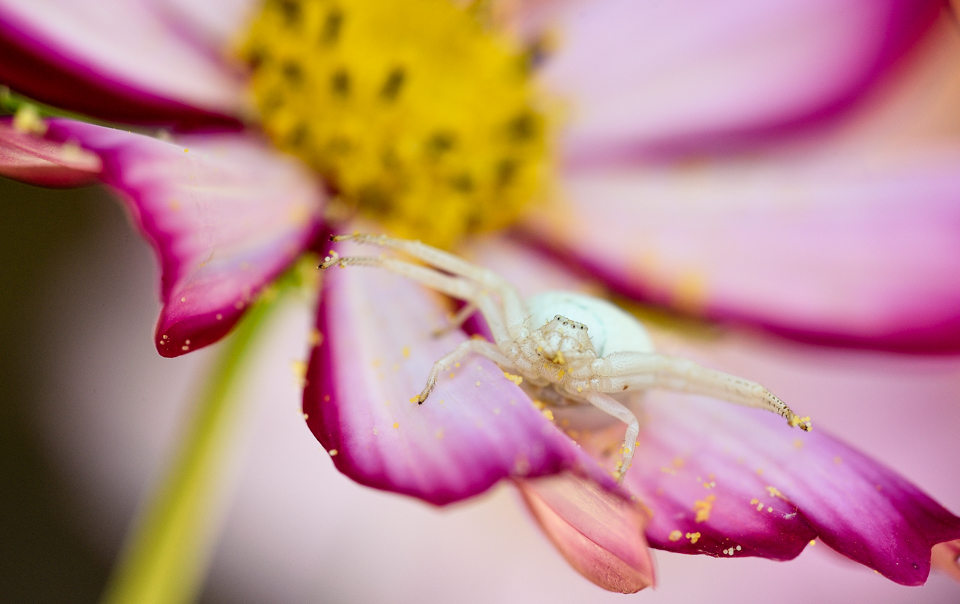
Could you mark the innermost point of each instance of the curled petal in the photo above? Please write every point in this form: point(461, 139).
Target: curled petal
point(599, 534)
point(38, 161)
point(224, 214)
point(696, 74)
point(854, 248)
point(731, 482)
point(374, 353)
point(946, 558)
point(125, 61)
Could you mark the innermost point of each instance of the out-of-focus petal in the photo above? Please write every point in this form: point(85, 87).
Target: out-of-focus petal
point(35, 160)
point(216, 23)
point(719, 477)
point(599, 534)
point(224, 213)
point(125, 61)
point(850, 247)
point(946, 558)
point(374, 354)
point(695, 74)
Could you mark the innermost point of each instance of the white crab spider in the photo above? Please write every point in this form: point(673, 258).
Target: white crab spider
point(572, 347)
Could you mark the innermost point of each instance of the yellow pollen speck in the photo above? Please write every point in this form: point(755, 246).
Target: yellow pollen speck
point(375, 432)
point(183, 299)
point(306, 416)
point(299, 369)
point(516, 379)
point(769, 509)
point(406, 352)
point(813, 542)
point(456, 364)
point(452, 374)
point(774, 492)
point(579, 389)
point(548, 414)
point(396, 424)
point(478, 383)
point(27, 119)
point(798, 443)
point(333, 452)
point(760, 507)
point(315, 337)
point(441, 401)
point(690, 291)
point(759, 471)
point(693, 537)
point(837, 460)
point(667, 470)
point(675, 536)
point(416, 113)
point(326, 398)
point(678, 462)
point(539, 404)
point(754, 501)
point(186, 150)
point(703, 508)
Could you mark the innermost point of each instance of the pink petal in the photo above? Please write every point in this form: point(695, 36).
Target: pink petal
point(697, 74)
point(851, 247)
point(126, 61)
point(375, 353)
point(599, 534)
point(224, 213)
point(35, 160)
point(742, 479)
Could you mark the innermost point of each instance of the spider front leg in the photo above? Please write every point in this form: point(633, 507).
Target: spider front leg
point(623, 370)
point(609, 405)
point(512, 307)
point(481, 347)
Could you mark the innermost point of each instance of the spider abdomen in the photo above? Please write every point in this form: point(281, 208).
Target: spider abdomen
point(610, 329)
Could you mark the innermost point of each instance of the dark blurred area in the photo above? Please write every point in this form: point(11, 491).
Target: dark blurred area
point(45, 557)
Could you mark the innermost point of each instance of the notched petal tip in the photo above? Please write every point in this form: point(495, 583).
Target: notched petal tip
point(224, 214)
point(599, 534)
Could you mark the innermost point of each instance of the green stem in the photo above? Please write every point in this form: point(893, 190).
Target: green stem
point(167, 552)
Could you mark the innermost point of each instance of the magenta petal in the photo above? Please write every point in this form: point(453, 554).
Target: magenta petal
point(35, 160)
point(694, 74)
point(854, 248)
point(742, 479)
point(224, 213)
point(599, 534)
point(375, 353)
point(125, 61)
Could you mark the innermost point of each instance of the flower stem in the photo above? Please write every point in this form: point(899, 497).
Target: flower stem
point(166, 555)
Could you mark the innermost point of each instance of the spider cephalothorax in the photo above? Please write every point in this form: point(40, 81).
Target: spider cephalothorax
point(561, 357)
point(564, 342)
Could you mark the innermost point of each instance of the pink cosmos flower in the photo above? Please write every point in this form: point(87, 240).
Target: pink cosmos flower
point(690, 178)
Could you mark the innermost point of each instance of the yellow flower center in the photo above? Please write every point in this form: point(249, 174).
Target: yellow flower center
point(413, 111)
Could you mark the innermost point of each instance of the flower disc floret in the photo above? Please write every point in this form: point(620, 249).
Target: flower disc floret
point(414, 111)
